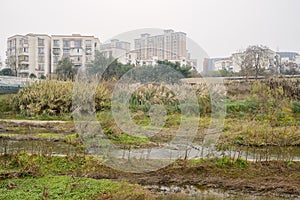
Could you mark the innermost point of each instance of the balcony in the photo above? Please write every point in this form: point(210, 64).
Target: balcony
point(76, 59)
point(56, 51)
point(24, 45)
point(23, 58)
point(24, 67)
point(76, 51)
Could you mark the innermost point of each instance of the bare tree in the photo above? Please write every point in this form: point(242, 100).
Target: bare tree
point(254, 61)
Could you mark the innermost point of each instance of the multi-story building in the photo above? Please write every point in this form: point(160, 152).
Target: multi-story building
point(119, 50)
point(80, 49)
point(29, 54)
point(224, 64)
point(268, 60)
point(168, 46)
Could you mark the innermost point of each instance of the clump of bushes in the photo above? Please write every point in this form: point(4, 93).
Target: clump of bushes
point(5, 103)
point(151, 94)
point(296, 107)
point(52, 98)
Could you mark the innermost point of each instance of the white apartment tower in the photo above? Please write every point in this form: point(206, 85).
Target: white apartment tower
point(80, 49)
point(29, 54)
point(168, 46)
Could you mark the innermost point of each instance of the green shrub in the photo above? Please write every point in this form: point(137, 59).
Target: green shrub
point(5, 103)
point(248, 105)
point(296, 107)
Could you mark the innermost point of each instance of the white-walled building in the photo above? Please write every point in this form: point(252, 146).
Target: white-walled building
point(268, 60)
point(119, 50)
point(224, 64)
point(168, 46)
point(29, 54)
point(80, 49)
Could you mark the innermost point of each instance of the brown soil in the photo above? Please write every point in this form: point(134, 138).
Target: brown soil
point(264, 178)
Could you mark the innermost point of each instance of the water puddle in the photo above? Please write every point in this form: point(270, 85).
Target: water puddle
point(193, 192)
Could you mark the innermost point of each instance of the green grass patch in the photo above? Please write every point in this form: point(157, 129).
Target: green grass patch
point(50, 135)
point(129, 139)
point(65, 187)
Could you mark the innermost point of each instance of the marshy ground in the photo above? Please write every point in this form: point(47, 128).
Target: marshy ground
point(43, 157)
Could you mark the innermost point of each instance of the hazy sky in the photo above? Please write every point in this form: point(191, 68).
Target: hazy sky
point(221, 27)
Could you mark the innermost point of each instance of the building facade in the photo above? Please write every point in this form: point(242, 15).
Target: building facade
point(168, 46)
point(29, 54)
point(119, 50)
point(224, 64)
point(80, 49)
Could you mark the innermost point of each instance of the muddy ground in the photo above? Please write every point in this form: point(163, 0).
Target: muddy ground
point(264, 178)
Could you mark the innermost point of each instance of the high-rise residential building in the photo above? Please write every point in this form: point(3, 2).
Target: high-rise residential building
point(80, 49)
point(29, 54)
point(168, 46)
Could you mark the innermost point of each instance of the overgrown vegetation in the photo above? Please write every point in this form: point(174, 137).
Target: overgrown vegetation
point(65, 187)
point(52, 98)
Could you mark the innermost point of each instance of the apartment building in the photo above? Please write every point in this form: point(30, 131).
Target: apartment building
point(168, 46)
point(119, 50)
point(29, 54)
point(80, 49)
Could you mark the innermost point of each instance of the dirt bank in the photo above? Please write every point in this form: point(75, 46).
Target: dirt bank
point(264, 178)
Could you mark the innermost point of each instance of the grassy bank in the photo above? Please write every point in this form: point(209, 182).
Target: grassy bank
point(66, 187)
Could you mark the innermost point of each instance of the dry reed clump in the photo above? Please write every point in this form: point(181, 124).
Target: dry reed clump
point(52, 98)
point(153, 94)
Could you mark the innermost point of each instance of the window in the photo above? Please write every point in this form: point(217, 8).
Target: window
point(66, 51)
point(55, 59)
point(40, 58)
point(66, 43)
point(40, 42)
point(77, 43)
point(56, 43)
point(88, 43)
point(40, 67)
point(23, 41)
point(41, 50)
point(23, 50)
